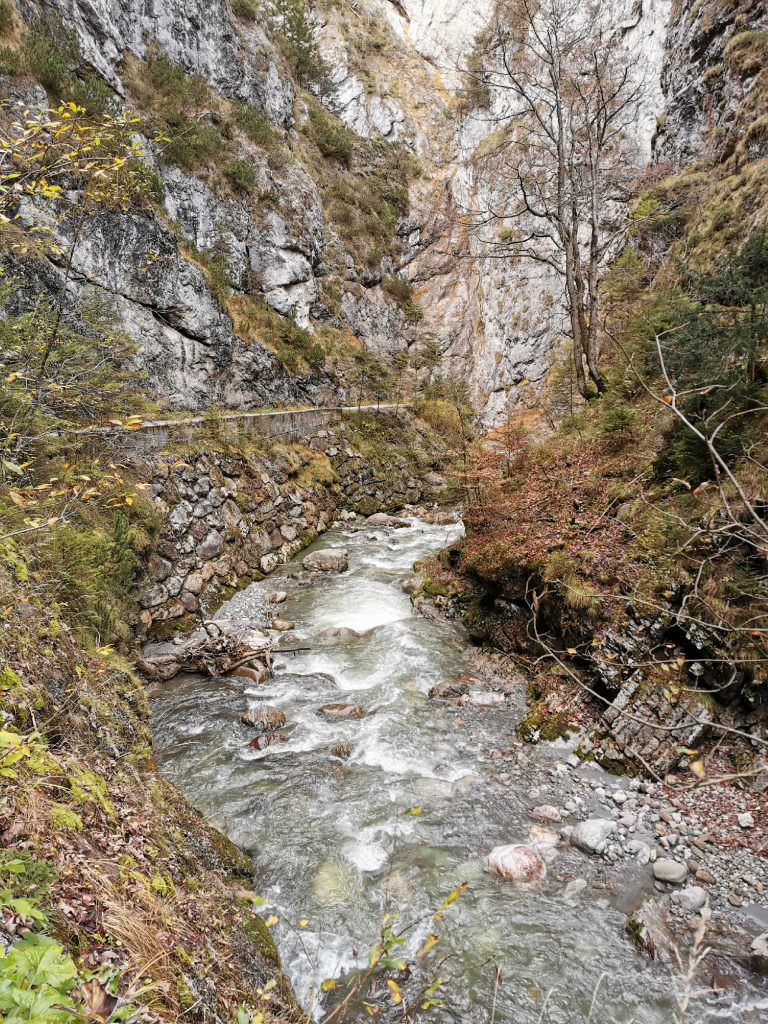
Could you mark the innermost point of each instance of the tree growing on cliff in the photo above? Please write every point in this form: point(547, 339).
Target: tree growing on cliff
point(560, 165)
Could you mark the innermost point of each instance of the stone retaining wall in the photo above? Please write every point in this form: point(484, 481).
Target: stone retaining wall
point(231, 517)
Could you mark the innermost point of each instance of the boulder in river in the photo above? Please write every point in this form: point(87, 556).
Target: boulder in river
point(282, 625)
point(328, 560)
point(382, 519)
point(276, 597)
point(267, 739)
point(546, 812)
point(342, 750)
point(517, 863)
point(263, 718)
point(210, 651)
point(592, 835)
point(690, 899)
point(256, 672)
point(342, 712)
point(759, 949)
point(440, 517)
point(453, 688)
point(412, 583)
point(667, 870)
point(649, 929)
point(339, 633)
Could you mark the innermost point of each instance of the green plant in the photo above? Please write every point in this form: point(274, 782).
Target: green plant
point(245, 9)
point(92, 93)
point(36, 976)
point(10, 62)
point(334, 140)
point(193, 143)
point(6, 17)
point(15, 748)
point(241, 176)
point(24, 876)
point(255, 125)
point(619, 420)
point(51, 52)
point(293, 26)
point(748, 51)
point(215, 261)
point(316, 355)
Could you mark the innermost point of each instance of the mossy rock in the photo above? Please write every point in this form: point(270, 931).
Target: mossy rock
point(542, 724)
point(435, 589)
point(256, 929)
point(616, 765)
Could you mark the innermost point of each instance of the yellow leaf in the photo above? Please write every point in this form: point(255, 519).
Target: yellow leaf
point(327, 985)
point(453, 895)
point(394, 991)
point(415, 810)
point(270, 921)
point(572, 650)
point(303, 922)
point(697, 767)
point(429, 943)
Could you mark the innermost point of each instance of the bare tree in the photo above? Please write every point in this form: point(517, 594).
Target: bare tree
point(560, 165)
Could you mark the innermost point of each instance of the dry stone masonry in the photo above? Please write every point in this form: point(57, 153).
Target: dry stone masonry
point(229, 517)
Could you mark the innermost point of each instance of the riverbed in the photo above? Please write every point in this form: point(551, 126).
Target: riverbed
point(428, 789)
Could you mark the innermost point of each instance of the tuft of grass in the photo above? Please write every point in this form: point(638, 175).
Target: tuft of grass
point(51, 52)
point(256, 125)
point(241, 176)
point(245, 9)
point(6, 17)
point(334, 140)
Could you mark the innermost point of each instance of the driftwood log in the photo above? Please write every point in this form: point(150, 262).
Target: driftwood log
point(212, 655)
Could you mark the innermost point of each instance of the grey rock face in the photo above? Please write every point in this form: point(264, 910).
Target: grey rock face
point(187, 341)
point(199, 35)
point(377, 320)
point(701, 92)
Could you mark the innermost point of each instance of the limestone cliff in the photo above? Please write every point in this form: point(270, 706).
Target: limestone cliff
point(296, 218)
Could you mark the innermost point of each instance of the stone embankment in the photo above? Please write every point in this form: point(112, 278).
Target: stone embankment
point(229, 517)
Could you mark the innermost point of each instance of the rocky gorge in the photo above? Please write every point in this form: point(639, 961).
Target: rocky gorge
point(310, 541)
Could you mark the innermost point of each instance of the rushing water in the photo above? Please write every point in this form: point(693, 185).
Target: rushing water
point(337, 843)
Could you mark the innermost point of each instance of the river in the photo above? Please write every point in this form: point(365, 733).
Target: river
point(411, 814)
